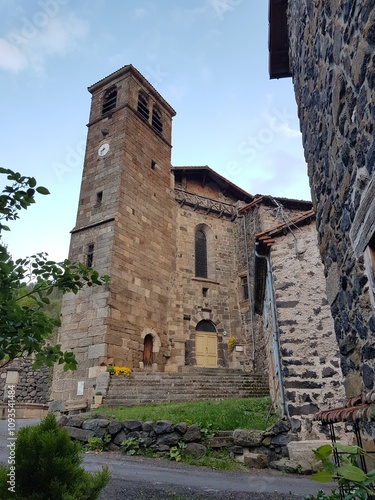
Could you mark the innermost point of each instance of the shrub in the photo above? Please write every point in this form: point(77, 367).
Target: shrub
point(48, 465)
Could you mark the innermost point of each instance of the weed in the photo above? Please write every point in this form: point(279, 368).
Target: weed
point(132, 446)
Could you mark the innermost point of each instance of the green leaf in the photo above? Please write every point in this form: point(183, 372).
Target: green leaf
point(351, 473)
point(350, 449)
point(322, 477)
point(323, 451)
point(42, 190)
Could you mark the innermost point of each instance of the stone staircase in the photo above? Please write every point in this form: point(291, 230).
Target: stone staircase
point(189, 384)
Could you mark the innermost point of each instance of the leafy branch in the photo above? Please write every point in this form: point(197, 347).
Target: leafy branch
point(24, 326)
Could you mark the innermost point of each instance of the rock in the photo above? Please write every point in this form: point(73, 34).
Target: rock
point(247, 437)
point(181, 427)
point(287, 465)
point(133, 425)
point(114, 427)
point(134, 435)
point(148, 426)
point(280, 426)
point(197, 450)
point(95, 424)
point(171, 439)
point(163, 427)
point(219, 442)
point(192, 434)
point(119, 438)
point(62, 420)
point(281, 440)
point(80, 434)
point(256, 460)
point(266, 441)
point(75, 421)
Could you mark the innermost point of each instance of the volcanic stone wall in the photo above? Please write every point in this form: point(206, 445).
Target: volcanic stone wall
point(332, 57)
point(31, 386)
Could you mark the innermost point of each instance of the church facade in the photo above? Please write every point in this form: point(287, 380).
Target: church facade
point(202, 273)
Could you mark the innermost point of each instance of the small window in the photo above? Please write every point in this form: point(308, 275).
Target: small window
point(157, 124)
point(245, 288)
point(204, 292)
point(143, 107)
point(153, 165)
point(90, 255)
point(110, 98)
point(200, 254)
point(99, 199)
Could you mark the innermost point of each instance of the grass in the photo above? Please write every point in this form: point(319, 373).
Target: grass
point(227, 414)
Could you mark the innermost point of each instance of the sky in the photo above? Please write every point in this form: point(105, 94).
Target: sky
point(207, 58)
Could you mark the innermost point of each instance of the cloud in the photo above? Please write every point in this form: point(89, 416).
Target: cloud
point(11, 58)
point(222, 7)
point(34, 42)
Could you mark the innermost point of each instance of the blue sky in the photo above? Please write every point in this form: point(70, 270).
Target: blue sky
point(207, 58)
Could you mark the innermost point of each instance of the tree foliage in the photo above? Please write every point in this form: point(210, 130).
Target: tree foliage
point(24, 325)
point(47, 464)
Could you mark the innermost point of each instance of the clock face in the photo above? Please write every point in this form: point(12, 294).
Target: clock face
point(103, 149)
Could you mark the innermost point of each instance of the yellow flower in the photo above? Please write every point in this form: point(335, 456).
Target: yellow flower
point(119, 370)
point(231, 344)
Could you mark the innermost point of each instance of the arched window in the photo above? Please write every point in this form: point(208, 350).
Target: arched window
point(143, 107)
point(200, 254)
point(205, 326)
point(110, 98)
point(157, 124)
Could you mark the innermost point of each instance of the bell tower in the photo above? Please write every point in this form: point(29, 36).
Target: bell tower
point(126, 209)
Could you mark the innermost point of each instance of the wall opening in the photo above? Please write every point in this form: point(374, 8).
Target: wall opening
point(110, 98)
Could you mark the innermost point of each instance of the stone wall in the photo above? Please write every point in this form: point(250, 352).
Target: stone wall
point(332, 57)
point(31, 386)
point(294, 321)
point(254, 448)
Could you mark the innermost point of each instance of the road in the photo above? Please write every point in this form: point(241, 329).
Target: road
point(141, 478)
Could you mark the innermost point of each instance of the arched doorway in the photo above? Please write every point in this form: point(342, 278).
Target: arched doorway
point(148, 351)
point(206, 344)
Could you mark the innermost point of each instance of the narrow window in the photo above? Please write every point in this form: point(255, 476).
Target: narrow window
point(143, 107)
point(153, 164)
point(204, 292)
point(110, 98)
point(157, 124)
point(245, 288)
point(200, 254)
point(90, 255)
point(99, 199)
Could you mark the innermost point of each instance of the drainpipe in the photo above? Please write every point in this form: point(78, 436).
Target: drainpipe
point(275, 332)
point(251, 312)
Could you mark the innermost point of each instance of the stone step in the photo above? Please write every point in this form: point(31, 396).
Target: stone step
point(189, 384)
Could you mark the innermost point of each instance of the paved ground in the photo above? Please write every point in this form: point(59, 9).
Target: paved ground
point(140, 478)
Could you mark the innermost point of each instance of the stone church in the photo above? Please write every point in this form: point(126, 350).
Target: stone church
point(202, 273)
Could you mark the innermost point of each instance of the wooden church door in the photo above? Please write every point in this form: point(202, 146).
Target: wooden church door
point(148, 351)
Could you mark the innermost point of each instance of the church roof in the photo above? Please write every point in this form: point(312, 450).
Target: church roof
point(206, 174)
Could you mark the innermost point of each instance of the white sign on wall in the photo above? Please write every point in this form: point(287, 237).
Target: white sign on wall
point(80, 387)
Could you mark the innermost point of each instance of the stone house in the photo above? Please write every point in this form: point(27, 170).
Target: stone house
point(329, 50)
point(194, 261)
